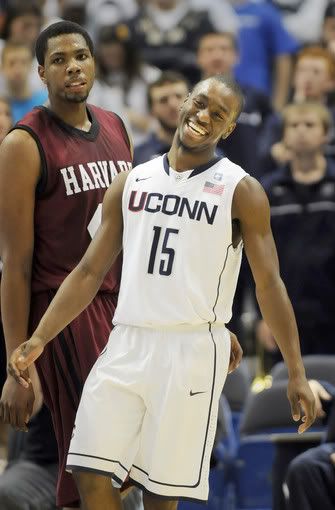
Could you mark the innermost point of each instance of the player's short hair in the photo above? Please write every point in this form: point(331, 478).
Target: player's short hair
point(309, 106)
point(166, 78)
point(228, 35)
point(318, 52)
point(230, 83)
point(55, 30)
point(11, 45)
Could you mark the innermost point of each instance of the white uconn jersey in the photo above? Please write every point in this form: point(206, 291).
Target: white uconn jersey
point(179, 264)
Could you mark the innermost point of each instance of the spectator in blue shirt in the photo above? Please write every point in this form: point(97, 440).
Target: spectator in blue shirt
point(16, 67)
point(265, 50)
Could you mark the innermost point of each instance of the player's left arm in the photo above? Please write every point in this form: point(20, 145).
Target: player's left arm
point(251, 208)
point(81, 285)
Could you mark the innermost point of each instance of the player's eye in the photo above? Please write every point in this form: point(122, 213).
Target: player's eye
point(198, 103)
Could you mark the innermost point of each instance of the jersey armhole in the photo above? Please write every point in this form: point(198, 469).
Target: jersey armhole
point(42, 182)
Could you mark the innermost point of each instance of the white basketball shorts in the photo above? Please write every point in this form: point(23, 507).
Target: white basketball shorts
point(149, 409)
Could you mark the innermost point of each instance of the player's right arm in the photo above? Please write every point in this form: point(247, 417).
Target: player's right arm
point(81, 285)
point(19, 175)
point(251, 208)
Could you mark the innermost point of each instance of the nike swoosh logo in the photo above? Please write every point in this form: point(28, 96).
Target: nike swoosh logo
point(142, 179)
point(192, 393)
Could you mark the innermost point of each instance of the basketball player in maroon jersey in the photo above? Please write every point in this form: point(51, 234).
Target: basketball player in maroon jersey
point(55, 167)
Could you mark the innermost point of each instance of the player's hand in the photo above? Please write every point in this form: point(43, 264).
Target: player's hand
point(302, 400)
point(16, 404)
point(319, 393)
point(24, 356)
point(236, 353)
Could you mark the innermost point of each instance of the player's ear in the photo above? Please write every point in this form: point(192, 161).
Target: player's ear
point(230, 129)
point(41, 73)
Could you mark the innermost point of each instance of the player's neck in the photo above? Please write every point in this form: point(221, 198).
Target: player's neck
point(308, 169)
point(181, 159)
point(73, 114)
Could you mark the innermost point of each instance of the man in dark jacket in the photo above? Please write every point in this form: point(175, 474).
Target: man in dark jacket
point(302, 200)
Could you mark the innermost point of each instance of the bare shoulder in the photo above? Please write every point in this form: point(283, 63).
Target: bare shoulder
point(250, 201)
point(19, 156)
point(19, 138)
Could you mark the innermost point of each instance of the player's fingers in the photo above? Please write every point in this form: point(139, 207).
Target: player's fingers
point(19, 377)
point(295, 407)
point(12, 365)
point(2, 413)
point(309, 415)
point(231, 362)
point(236, 352)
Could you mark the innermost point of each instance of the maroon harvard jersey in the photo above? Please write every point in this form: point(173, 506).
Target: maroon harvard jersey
point(77, 168)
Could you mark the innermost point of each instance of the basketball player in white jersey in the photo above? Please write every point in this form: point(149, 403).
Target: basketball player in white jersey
point(149, 406)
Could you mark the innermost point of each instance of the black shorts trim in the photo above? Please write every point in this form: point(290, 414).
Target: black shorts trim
point(97, 471)
point(160, 496)
point(100, 458)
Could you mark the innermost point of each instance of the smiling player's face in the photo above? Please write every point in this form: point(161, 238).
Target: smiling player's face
point(207, 115)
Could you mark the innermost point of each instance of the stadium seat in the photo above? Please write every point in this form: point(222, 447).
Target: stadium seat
point(266, 420)
point(320, 367)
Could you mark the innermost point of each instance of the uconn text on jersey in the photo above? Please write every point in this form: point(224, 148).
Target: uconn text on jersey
point(172, 205)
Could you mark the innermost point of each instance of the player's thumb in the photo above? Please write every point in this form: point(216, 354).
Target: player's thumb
point(22, 362)
point(26, 358)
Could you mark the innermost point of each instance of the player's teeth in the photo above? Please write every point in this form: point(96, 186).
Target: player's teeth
point(197, 129)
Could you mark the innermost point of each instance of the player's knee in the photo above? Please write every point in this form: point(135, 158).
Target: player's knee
point(152, 502)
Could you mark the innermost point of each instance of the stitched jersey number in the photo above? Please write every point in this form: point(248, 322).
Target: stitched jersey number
point(165, 266)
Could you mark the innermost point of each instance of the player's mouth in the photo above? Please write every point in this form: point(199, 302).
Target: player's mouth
point(76, 86)
point(195, 130)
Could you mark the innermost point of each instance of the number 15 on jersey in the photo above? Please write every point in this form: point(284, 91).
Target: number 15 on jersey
point(165, 264)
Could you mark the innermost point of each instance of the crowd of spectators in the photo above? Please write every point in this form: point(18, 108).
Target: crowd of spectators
point(148, 55)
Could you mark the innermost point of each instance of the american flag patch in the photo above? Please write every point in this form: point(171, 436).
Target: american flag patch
point(210, 187)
